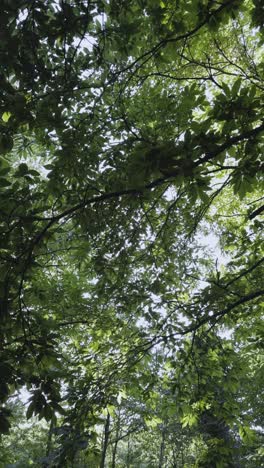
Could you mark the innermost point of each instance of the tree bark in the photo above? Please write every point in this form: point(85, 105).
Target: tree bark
point(49, 442)
point(214, 428)
point(162, 448)
point(128, 452)
point(116, 441)
point(105, 440)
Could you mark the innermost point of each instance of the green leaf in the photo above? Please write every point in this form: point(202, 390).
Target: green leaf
point(247, 434)
point(226, 89)
point(189, 420)
point(6, 144)
point(236, 87)
point(30, 410)
point(22, 170)
point(4, 424)
point(6, 116)
point(58, 408)
point(33, 172)
point(4, 182)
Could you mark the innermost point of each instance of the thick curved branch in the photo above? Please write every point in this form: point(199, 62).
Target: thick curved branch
point(256, 212)
point(230, 142)
point(206, 320)
point(219, 315)
point(245, 272)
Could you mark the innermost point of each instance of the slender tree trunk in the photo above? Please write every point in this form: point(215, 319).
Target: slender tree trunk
point(49, 440)
point(174, 459)
point(218, 429)
point(182, 457)
point(105, 440)
point(162, 448)
point(116, 441)
point(128, 452)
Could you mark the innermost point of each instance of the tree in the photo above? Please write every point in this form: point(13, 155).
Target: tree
point(129, 132)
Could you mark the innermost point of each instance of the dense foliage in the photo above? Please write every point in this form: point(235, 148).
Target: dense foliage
point(131, 285)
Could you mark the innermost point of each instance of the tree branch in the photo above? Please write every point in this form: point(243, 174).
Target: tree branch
point(232, 141)
point(256, 212)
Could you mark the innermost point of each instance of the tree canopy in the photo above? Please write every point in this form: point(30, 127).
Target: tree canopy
point(131, 208)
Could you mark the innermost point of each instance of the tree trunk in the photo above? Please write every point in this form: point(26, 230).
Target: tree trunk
point(105, 440)
point(215, 428)
point(116, 441)
point(49, 441)
point(174, 459)
point(128, 452)
point(162, 448)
